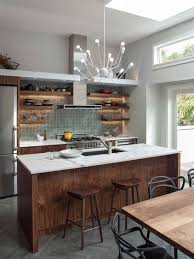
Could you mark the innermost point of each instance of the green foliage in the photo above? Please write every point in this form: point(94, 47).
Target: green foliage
point(188, 51)
point(185, 109)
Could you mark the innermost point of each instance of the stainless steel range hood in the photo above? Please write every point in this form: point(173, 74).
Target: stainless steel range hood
point(79, 88)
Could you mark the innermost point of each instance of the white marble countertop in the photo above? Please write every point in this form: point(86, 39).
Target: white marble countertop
point(40, 163)
point(35, 143)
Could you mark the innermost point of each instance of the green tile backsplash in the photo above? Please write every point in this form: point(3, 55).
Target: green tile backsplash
point(78, 121)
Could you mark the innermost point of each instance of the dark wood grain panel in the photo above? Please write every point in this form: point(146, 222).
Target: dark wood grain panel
point(27, 209)
point(50, 189)
point(41, 149)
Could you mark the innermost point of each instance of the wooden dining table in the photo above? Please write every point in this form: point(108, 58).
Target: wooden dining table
point(170, 217)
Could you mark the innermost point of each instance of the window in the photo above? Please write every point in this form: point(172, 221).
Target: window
point(181, 49)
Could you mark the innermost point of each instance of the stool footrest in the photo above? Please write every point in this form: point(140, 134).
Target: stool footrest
point(90, 229)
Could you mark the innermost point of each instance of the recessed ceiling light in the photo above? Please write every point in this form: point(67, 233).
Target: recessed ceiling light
point(158, 10)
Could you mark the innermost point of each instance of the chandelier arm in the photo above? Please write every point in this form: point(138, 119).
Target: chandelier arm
point(118, 65)
point(84, 75)
point(92, 63)
point(88, 69)
point(108, 63)
point(104, 35)
point(84, 56)
point(99, 57)
point(128, 68)
point(119, 53)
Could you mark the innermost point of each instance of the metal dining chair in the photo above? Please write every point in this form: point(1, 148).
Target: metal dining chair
point(190, 175)
point(161, 182)
point(146, 251)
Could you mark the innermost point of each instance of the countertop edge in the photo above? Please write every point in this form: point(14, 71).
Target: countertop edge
point(75, 165)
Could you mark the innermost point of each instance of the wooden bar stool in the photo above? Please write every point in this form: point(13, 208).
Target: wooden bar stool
point(82, 195)
point(125, 185)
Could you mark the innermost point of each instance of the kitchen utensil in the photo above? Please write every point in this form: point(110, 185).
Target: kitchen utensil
point(70, 153)
point(40, 138)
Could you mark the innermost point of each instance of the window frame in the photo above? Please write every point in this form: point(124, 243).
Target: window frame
point(156, 53)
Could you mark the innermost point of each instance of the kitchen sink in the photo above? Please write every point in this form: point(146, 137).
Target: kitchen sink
point(100, 152)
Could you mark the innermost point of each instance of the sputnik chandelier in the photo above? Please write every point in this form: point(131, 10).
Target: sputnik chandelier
point(105, 68)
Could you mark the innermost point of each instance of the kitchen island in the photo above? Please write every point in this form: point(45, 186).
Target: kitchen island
point(43, 183)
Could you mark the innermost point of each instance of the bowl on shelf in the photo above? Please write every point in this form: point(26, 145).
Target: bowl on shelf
point(70, 153)
point(106, 91)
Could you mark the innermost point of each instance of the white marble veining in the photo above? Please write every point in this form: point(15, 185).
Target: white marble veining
point(40, 163)
point(35, 143)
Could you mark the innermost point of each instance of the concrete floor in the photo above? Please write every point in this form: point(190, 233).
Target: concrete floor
point(14, 246)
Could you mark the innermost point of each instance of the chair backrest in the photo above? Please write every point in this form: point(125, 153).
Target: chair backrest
point(123, 245)
point(160, 182)
point(190, 175)
point(146, 251)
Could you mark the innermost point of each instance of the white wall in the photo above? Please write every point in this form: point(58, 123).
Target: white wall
point(148, 96)
point(36, 51)
point(39, 51)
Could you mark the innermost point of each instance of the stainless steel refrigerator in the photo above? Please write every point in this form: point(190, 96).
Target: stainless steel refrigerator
point(8, 141)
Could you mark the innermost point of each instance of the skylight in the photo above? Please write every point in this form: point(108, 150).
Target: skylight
point(158, 10)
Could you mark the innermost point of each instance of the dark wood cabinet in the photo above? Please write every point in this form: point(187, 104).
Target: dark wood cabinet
point(41, 149)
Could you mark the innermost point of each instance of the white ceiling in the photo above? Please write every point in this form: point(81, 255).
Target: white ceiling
point(65, 17)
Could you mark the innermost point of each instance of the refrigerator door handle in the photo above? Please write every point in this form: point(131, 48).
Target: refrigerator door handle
point(14, 138)
point(14, 165)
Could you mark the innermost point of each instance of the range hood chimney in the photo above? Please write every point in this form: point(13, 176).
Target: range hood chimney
point(79, 88)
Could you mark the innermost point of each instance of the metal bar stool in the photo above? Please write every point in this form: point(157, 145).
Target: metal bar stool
point(82, 195)
point(125, 185)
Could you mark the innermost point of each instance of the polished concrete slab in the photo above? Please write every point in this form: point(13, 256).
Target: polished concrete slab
point(14, 246)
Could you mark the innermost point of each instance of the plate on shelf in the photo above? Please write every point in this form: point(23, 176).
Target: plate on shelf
point(70, 153)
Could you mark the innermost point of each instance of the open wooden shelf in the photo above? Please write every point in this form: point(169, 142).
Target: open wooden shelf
point(115, 108)
point(32, 122)
point(114, 120)
point(44, 93)
point(102, 95)
point(32, 107)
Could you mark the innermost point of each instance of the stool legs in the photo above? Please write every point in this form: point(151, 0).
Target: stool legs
point(83, 222)
point(111, 204)
point(67, 217)
point(126, 203)
point(92, 211)
point(133, 189)
point(137, 191)
point(98, 217)
point(83, 230)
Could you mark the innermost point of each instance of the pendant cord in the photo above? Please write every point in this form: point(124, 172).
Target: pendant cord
point(104, 35)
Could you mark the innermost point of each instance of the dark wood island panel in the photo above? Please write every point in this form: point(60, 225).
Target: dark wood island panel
point(42, 198)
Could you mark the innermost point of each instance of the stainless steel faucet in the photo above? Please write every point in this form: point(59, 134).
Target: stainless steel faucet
point(107, 145)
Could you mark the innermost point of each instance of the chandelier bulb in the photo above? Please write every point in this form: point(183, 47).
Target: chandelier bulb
point(88, 52)
point(109, 55)
point(131, 64)
point(111, 60)
point(97, 41)
point(76, 69)
point(78, 47)
point(122, 70)
point(123, 44)
point(123, 50)
point(82, 60)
